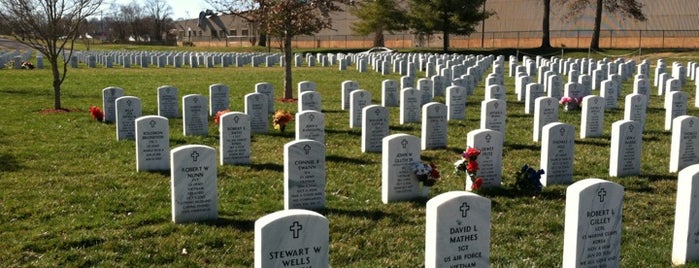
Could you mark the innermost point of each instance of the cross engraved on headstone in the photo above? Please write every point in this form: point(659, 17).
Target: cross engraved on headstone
point(498, 104)
point(404, 143)
point(194, 156)
point(488, 138)
point(563, 131)
point(631, 128)
point(464, 209)
point(548, 102)
point(361, 94)
point(691, 123)
point(236, 119)
point(595, 100)
point(295, 229)
point(377, 112)
point(195, 100)
point(152, 123)
point(307, 149)
point(601, 193)
point(128, 103)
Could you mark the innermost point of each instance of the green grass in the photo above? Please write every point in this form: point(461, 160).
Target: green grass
point(70, 195)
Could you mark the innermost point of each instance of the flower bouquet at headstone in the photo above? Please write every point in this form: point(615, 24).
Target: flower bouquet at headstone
point(280, 119)
point(427, 174)
point(570, 103)
point(217, 118)
point(96, 113)
point(469, 164)
point(528, 180)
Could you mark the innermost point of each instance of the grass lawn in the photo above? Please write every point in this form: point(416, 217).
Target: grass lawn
point(70, 195)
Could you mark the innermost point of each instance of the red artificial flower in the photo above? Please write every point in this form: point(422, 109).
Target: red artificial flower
point(217, 119)
point(477, 184)
point(96, 113)
point(471, 152)
point(434, 173)
point(472, 166)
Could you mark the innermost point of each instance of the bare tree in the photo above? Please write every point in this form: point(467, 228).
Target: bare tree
point(160, 13)
point(51, 27)
point(626, 8)
point(242, 9)
point(285, 19)
point(546, 25)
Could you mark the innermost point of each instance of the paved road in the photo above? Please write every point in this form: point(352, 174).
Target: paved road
point(11, 44)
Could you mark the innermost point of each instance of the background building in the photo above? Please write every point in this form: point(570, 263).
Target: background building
point(516, 24)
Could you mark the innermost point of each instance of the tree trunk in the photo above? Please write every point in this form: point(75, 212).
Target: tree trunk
point(594, 43)
point(263, 40)
point(288, 59)
point(56, 84)
point(445, 33)
point(379, 40)
point(546, 25)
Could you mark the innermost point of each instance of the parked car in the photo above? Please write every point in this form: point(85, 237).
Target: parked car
point(378, 50)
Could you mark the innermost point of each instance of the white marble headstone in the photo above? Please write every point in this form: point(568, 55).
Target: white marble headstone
point(168, 102)
point(434, 126)
point(195, 115)
point(256, 108)
point(267, 89)
point(347, 87)
point(456, 102)
point(310, 125)
point(304, 86)
point(109, 95)
point(193, 183)
point(533, 91)
point(625, 151)
point(310, 101)
point(457, 230)
point(494, 115)
point(557, 153)
point(685, 241)
point(234, 138)
point(398, 181)
point(592, 119)
point(675, 105)
point(304, 175)
point(375, 127)
point(152, 143)
point(219, 98)
point(390, 97)
point(128, 109)
point(545, 112)
point(490, 143)
point(292, 238)
point(593, 224)
point(359, 99)
point(410, 105)
point(684, 145)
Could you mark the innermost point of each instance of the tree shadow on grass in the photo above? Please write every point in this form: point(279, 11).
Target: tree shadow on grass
point(374, 215)
point(662, 177)
point(517, 146)
point(601, 143)
point(267, 166)
point(345, 132)
point(337, 158)
point(9, 163)
point(229, 221)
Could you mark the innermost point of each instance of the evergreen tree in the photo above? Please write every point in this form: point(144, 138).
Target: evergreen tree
point(376, 17)
point(447, 16)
